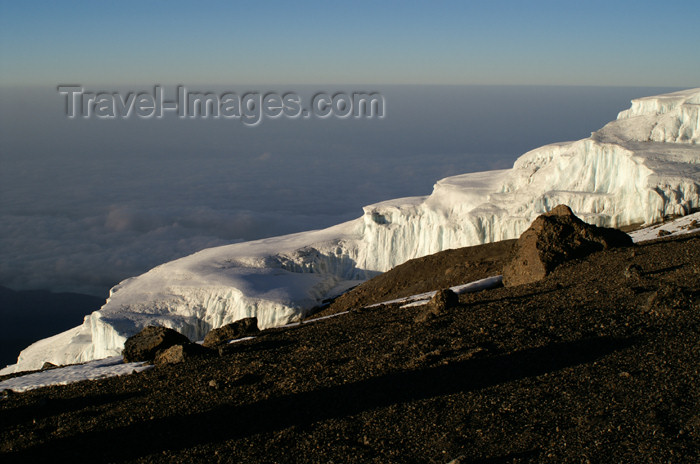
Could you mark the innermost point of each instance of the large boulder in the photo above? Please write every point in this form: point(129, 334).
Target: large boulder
point(145, 345)
point(237, 329)
point(554, 238)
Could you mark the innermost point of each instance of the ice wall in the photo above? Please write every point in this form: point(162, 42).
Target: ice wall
point(637, 169)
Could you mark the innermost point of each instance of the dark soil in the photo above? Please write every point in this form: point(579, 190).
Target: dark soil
point(599, 362)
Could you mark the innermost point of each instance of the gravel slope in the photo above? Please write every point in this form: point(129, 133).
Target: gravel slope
point(597, 363)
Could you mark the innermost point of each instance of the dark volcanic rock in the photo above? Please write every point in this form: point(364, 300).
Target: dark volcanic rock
point(173, 355)
point(180, 353)
point(443, 300)
point(633, 272)
point(554, 238)
point(241, 327)
point(145, 345)
point(439, 304)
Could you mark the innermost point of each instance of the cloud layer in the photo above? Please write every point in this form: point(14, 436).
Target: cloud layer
point(86, 203)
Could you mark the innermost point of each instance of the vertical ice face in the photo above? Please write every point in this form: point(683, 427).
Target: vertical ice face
point(673, 118)
point(637, 169)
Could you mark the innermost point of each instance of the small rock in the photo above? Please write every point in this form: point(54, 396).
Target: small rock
point(633, 272)
point(214, 384)
point(439, 304)
point(663, 233)
point(246, 326)
point(443, 300)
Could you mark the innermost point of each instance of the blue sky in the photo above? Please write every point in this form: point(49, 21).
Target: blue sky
point(639, 43)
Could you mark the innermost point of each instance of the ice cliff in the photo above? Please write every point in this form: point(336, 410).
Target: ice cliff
point(637, 169)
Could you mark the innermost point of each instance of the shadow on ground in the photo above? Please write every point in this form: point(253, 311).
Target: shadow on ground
point(239, 421)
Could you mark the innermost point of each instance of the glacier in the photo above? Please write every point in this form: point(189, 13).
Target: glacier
point(637, 169)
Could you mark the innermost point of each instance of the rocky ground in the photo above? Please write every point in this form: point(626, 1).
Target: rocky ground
point(598, 362)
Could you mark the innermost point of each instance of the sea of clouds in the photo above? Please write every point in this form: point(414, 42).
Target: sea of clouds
point(86, 203)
